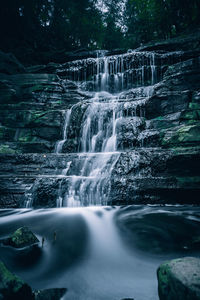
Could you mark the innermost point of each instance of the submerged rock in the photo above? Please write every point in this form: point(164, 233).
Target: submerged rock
point(22, 237)
point(179, 279)
point(12, 287)
point(50, 294)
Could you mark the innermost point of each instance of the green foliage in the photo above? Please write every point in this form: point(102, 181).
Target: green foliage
point(46, 25)
point(157, 19)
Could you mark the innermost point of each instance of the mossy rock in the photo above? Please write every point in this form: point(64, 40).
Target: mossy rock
point(189, 181)
point(159, 118)
point(48, 118)
point(22, 237)
point(5, 149)
point(25, 135)
point(179, 279)
point(37, 88)
point(184, 135)
point(12, 287)
point(190, 115)
point(194, 105)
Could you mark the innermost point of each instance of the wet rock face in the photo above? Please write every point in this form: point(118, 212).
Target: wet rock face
point(156, 176)
point(153, 124)
point(32, 111)
point(179, 279)
point(45, 193)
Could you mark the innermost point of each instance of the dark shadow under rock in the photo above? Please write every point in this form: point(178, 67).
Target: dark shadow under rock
point(50, 294)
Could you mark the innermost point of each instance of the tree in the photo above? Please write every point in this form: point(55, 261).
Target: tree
point(113, 35)
point(57, 25)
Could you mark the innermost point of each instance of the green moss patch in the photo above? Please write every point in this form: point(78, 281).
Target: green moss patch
point(188, 135)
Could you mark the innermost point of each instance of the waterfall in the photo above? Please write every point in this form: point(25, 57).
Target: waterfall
point(99, 127)
point(118, 72)
point(90, 182)
point(28, 200)
point(98, 146)
point(59, 144)
point(153, 68)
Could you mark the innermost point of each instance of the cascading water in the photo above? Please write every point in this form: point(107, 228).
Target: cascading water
point(116, 73)
point(98, 137)
point(100, 252)
point(59, 145)
point(104, 119)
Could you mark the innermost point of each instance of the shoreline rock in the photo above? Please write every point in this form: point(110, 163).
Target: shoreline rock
point(13, 288)
point(179, 279)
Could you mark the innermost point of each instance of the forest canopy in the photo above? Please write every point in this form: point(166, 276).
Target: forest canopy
point(93, 24)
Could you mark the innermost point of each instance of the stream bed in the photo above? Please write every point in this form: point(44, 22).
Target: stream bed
point(100, 253)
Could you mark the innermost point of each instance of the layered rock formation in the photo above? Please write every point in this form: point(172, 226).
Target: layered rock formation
point(146, 120)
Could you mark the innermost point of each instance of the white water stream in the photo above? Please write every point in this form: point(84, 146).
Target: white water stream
point(110, 266)
point(99, 130)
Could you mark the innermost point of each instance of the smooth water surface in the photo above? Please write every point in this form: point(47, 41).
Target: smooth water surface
point(101, 252)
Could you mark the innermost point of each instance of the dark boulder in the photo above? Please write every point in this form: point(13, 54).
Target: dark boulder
point(45, 192)
point(12, 287)
point(22, 237)
point(179, 279)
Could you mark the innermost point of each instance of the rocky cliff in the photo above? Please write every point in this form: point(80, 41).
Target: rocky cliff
point(152, 100)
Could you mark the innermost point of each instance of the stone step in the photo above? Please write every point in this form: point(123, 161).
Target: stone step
point(161, 161)
point(15, 191)
point(26, 147)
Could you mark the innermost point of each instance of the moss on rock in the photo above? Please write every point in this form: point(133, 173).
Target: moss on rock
point(179, 279)
point(5, 149)
point(22, 237)
point(189, 135)
point(188, 181)
point(12, 287)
